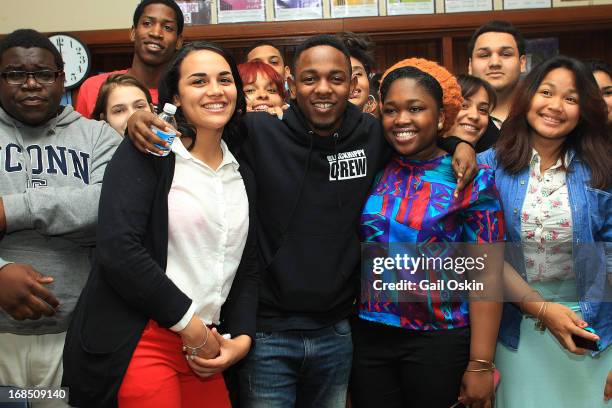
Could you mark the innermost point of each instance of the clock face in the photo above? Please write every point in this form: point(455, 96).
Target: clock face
point(77, 60)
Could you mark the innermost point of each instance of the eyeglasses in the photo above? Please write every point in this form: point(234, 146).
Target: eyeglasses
point(45, 76)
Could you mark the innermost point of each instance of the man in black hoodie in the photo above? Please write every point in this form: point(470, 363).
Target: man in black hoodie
point(313, 170)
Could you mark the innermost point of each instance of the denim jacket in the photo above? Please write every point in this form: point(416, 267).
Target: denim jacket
point(592, 223)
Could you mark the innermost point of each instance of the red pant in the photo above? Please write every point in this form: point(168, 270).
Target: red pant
point(158, 376)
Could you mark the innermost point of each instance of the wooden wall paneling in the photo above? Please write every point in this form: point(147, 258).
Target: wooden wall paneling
point(460, 57)
point(585, 45)
point(102, 62)
point(380, 57)
point(389, 52)
point(436, 25)
point(442, 37)
point(556, 19)
point(447, 52)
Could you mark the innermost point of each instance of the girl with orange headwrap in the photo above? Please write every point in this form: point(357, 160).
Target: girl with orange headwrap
point(418, 341)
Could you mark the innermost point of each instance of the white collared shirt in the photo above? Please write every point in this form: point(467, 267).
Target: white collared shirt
point(546, 223)
point(208, 222)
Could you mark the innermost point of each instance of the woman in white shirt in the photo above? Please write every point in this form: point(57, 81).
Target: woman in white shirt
point(175, 264)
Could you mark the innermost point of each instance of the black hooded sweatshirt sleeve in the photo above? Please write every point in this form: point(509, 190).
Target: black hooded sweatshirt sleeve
point(311, 191)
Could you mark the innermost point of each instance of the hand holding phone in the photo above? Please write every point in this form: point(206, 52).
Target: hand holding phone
point(586, 343)
point(567, 327)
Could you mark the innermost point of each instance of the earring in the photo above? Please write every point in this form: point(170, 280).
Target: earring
point(440, 125)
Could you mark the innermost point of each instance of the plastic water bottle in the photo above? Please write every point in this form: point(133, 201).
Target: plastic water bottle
point(167, 116)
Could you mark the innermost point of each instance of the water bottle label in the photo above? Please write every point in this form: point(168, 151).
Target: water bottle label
point(167, 136)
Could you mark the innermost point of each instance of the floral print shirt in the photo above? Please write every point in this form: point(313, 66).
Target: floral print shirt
point(546, 223)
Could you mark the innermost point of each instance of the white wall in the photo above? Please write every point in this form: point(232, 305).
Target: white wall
point(65, 15)
point(80, 15)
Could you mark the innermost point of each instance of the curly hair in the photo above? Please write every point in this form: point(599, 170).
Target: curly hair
point(360, 47)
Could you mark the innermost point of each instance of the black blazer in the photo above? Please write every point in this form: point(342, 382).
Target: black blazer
point(128, 285)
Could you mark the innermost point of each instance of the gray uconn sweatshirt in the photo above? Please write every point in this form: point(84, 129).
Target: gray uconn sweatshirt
point(50, 181)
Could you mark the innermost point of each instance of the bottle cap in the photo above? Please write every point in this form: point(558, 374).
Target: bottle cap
point(170, 109)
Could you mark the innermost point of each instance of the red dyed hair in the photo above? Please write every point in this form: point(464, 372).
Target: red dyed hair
point(249, 70)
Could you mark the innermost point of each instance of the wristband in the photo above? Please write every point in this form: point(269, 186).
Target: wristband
point(489, 366)
point(464, 141)
point(532, 291)
point(479, 370)
point(539, 325)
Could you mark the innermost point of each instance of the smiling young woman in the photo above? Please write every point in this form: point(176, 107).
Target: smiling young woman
point(175, 263)
point(478, 101)
point(552, 172)
point(120, 96)
point(426, 353)
point(263, 86)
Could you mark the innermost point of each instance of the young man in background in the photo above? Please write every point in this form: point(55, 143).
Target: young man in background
point(157, 32)
point(497, 55)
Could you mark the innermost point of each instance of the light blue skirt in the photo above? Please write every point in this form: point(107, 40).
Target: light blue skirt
point(542, 374)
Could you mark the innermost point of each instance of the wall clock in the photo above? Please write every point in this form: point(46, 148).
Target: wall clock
point(76, 56)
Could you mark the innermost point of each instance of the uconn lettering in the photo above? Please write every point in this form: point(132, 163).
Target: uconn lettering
point(46, 160)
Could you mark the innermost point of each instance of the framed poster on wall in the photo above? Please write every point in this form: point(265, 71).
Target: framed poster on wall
point(354, 8)
point(574, 3)
point(297, 9)
point(526, 4)
point(237, 11)
point(400, 7)
point(458, 6)
point(195, 12)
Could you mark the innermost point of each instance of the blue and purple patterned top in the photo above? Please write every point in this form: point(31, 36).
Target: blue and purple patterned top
point(412, 202)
